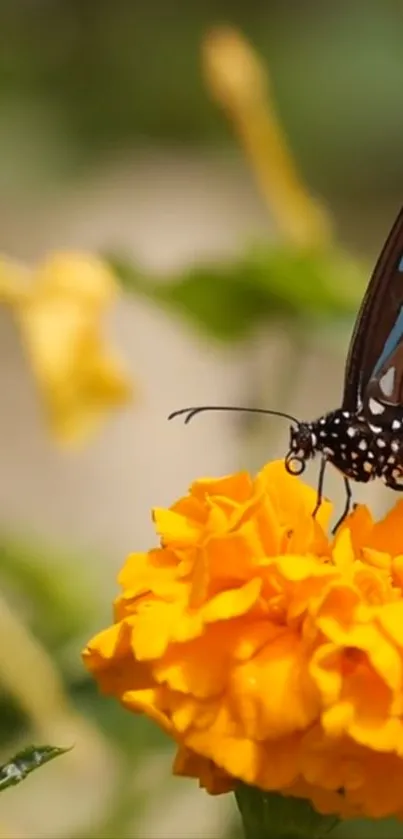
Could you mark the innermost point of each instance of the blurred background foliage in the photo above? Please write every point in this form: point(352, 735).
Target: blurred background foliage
point(102, 75)
point(86, 85)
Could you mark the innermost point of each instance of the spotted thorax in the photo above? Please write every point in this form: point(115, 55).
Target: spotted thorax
point(360, 450)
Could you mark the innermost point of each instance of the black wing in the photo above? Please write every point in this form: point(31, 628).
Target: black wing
point(378, 335)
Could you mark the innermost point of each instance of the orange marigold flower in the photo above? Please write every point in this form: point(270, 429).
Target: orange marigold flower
point(270, 652)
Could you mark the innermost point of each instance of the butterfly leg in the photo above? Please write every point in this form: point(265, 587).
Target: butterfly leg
point(319, 497)
point(395, 483)
point(347, 506)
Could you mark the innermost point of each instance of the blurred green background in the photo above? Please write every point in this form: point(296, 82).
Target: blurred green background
point(110, 142)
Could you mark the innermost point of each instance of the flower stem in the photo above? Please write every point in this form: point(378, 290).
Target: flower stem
point(269, 815)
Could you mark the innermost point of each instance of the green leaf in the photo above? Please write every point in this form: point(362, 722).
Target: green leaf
point(216, 298)
point(25, 762)
point(219, 300)
point(230, 299)
point(325, 283)
point(268, 815)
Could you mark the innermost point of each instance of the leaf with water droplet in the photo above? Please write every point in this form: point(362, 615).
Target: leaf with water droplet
point(25, 762)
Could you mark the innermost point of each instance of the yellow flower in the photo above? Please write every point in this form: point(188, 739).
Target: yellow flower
point(268, 651)
point(238, 80)
point(59, 309)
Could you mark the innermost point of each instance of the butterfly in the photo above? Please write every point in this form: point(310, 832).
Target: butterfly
point(363, 438)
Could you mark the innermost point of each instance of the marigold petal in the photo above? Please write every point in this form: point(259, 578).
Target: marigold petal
point(151, 702)
point(343, 553)
point(238, 487)
point(288, 503)
point(272, 694)
point(234, 556)
point(200, 667)
point(378, 559)
point(161, 624)
point(298, 569)
point(267, 528)
point(211, 777)
point(359, 524)
point(112, 643)
point(387, 535)
point(335, 667)
point(326, 671)
point(152, 563)
point(187, 715)
point(390, 618)
point(253, 637)
point(174, 529)
point(366, 638)
point(397, 571)
point(232, 603)
point(271, 766)
point(109, 658)
point(194, 668)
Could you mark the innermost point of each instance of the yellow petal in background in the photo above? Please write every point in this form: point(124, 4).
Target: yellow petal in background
point(239, 81)
point(15, 280)
point(79, 375)
point(76, 276)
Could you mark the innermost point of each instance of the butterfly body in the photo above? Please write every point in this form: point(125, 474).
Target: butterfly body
point(360, 450)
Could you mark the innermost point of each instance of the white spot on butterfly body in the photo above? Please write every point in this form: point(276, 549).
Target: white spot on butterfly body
point(337, 421)
point(395, 446)
point(354, 455)
point(381, 443)
point(375, 407)
point(375, 428)
point(367, 467)
point(396, 424)
point(351, 432)
point(363, 445)
point(345, 414)
point(387, 382)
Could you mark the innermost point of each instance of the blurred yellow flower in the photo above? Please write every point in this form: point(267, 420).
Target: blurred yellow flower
point(59, 308)
point(239, 81)
point(268, 651)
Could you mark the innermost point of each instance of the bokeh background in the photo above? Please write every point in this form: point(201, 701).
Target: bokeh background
point(111, 143)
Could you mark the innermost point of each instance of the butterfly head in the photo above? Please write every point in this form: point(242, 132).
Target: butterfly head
point(303, 442)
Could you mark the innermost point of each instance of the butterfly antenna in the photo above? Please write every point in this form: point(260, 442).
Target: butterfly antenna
point(189, 413)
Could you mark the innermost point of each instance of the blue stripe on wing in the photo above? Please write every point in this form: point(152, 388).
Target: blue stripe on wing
point(394, 338)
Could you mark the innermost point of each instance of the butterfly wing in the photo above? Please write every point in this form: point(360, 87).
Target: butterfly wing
point(374, 368)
